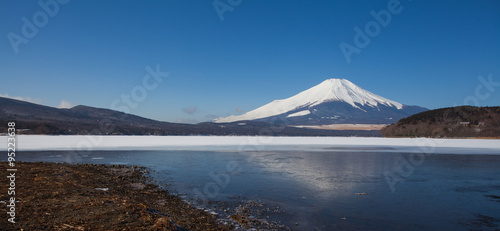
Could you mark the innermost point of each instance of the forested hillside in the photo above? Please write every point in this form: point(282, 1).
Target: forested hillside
point(462, 121)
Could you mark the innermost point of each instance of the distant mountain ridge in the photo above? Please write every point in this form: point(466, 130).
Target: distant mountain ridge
point(33, 118)
point(334, 101)
point(76, 119)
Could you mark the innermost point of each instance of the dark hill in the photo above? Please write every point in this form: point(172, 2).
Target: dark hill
point(462, 121)
point(41, 119)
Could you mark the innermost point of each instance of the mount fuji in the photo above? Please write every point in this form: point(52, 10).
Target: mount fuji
point(334, 101)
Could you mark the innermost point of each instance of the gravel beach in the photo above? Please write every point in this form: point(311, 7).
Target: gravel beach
point(55, 196)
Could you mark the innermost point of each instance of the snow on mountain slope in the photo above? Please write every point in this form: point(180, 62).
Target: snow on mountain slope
point(341, 90)
point(300, 113)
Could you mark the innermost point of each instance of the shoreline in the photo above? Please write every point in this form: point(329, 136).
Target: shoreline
point(97, 197)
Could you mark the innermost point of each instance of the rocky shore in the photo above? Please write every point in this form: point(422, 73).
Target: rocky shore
point(55, 196)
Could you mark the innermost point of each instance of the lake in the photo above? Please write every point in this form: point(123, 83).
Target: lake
point(337, 189)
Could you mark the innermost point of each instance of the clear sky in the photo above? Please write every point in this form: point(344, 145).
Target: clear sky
point(430, 53)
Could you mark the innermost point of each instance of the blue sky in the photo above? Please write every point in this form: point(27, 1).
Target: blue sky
point(430, 53)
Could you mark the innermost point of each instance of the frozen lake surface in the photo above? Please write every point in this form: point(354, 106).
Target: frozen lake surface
point(256, 143)
point(332, 187)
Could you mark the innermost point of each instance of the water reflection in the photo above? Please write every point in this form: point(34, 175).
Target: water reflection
point(317, 189)
point(324, 171)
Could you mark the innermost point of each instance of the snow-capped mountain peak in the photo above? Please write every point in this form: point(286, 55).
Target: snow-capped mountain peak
point(330, 90)
point(345, 91)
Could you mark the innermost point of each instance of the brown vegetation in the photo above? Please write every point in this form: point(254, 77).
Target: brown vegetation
point(54, 196)
point(463, 121)
point(342, 127)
